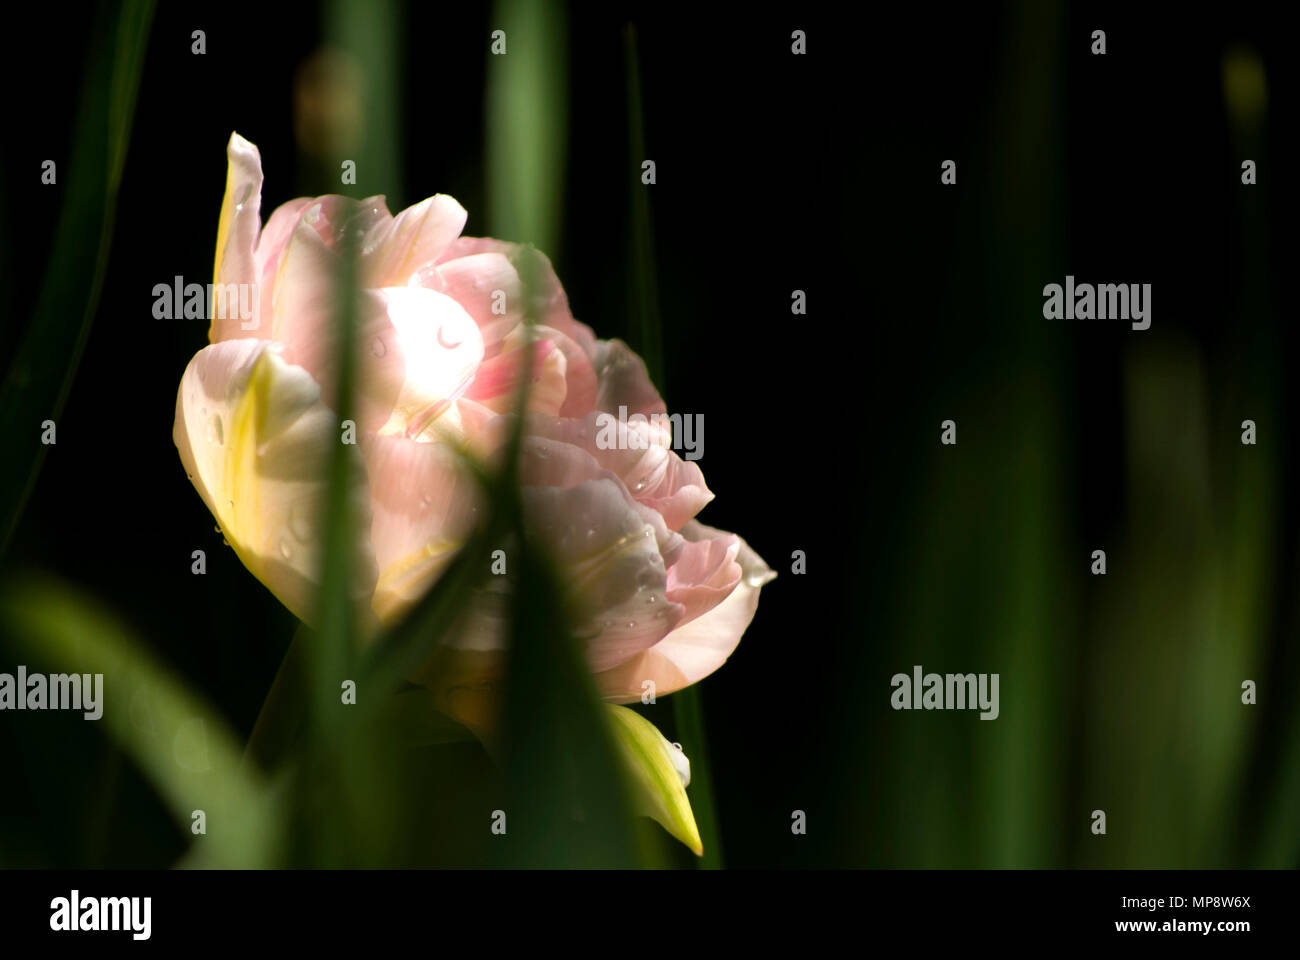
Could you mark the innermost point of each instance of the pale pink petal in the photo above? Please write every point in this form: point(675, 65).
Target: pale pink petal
point(607, 556)
point(418, 350)
point(395, 249)
point(487, 286)
point(641, 457)
point(303, 320)
point(579, 375)
point(623, 382)
point(237, 232)
point(425, 503)
point(270, 248)
point(704, 571)
point(548, 303)
point(472, 246)
point(692, 651)
point(496, 382)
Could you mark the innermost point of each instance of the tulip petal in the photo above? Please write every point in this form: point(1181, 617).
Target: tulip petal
point(496, 382)
point(548, 303)
point(640, 456)
point(440, 349)
point(266, 258)
point(487, 286)
point(579, 394)
point(608, 556)
point(659, 773)
point(694, 650)
point(425, 503)
point(623, 381)
point(256, 441)
point(303, 320)
point(703, 572)
point(419, 350)
point(237, 229)
point(395, 249)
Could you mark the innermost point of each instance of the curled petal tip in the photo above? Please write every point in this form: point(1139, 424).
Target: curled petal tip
point(238, 145)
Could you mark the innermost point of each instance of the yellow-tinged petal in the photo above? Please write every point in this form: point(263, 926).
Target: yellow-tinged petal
point(660, 773)
point(238, 227)
point(256, 441)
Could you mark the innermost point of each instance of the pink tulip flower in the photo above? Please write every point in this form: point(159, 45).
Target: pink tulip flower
point(660, 597)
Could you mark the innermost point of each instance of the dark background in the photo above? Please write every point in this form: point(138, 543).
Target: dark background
point(777, 173)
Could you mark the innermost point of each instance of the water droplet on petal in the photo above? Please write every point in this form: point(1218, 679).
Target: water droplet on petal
point(377, 347)
point(631, 624)
point(449, 341)
point(300, 524)
point(640, 486)
point(285, 550)
point(652, 599)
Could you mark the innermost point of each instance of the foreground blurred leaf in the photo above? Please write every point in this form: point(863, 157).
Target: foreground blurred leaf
point(346, 781)
point(182, 746)
point(41, 376)
point(570, 803)
point(416, 722)
point(659, 791)
point(527, 122)
point(646, 334)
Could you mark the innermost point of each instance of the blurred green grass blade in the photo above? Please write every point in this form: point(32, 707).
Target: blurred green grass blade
point(279, 722)
point(370, 32)
point(527, 123)
point(40, 378)
point(181, 745)
point(335, 649)
point(569, 804)
point(346, 781)
point(408, 644)
point(569, 800)
point(335, 761)
point(688, 714)
point(688, 709)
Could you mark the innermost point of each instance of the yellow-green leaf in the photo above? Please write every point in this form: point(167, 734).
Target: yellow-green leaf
point(180, 744)
point(659, 773)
